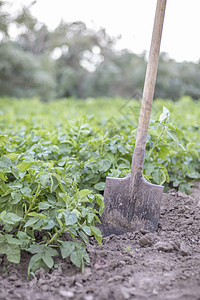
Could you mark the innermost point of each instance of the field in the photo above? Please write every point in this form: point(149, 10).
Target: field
point(54, 161)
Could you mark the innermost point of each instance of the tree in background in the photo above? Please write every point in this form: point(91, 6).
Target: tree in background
point(76, 61)
point(121, 75)
point(24, 70)
point(80, 53)
point(24, 75)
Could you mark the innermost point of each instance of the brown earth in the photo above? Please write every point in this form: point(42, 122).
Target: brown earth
point(138, 265)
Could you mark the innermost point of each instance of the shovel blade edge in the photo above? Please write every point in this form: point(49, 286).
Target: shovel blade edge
point(129, 207)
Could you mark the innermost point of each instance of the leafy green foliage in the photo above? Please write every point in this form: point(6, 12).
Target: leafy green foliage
point(53, 169)
point(34, 74)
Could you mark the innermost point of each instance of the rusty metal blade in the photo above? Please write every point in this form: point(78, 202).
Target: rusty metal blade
point(130, 210)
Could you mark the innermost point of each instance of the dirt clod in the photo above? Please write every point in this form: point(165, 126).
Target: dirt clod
point(164, 246)
point(66, 294)
point(146, 240)
point(184, 250)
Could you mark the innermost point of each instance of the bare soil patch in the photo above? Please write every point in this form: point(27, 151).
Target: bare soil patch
point(138, 265)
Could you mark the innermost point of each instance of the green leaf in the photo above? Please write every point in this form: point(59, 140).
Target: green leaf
point(104, 165)
point(100, 186)
point(122, 166)
point(24, 239)
point(90, 217)
point(185, 188)
point(149, 168)
point(159, 176)
point(174, 136)
point(12, 156)
point(16, 196)
point(100, 201)
point(15, 185)
point(48, 260)
point(76, 258)
point(50, 251)
point(39, 224)
point(31, 221)
point(194, 174)
point(26, 191)
point(70, 218)
point(51, 199)
point(93, 178)
point(54, 183)
point(191, 149)
point(178, 132)
point(165, 115)
point(25, 165)
point(12, 251)
point(5, 162)
point(163, 152)
point(44, 205)
point(39, 216)
point(4, 139)
point(84, 193)
point(96, 231)
point(86, 229)
point(122, 149)
point(12, 240)
point(22, 235)
point(49, 225)
point(97, 234)
point(84, 237)
point(35, 263)
point(15, 172)
point(36, 249)
point(10, 218)
point(67, 248)
point(44, 179)
point(59, 221)
point(3, 176)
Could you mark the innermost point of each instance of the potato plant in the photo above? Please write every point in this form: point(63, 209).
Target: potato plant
point(54, 159)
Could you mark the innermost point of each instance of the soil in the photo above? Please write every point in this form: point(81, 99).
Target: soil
point(137, 265)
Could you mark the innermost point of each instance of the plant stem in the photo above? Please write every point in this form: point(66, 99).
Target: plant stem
point(55, 236)
point(157, 140)
point(33, 201)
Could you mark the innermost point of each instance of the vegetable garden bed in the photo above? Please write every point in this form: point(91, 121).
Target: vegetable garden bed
point(54, 161)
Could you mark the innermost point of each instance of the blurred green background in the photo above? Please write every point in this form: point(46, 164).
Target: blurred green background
point(79, 62)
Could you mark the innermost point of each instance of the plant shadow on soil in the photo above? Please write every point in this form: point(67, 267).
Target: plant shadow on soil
point(136, 265)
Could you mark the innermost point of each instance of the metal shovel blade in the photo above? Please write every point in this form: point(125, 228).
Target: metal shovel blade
point(130, 209)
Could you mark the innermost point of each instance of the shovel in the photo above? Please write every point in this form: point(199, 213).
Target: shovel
point(132, 203)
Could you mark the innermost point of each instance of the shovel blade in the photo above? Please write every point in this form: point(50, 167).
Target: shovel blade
point(130, 209)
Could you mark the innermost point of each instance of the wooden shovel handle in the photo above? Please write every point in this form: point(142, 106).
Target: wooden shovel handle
point(148, 92)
